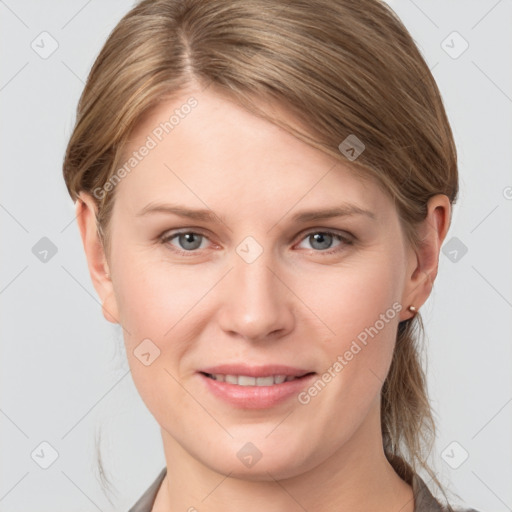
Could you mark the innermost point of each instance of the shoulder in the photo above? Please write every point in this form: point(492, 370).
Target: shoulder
point(146, 501)
point(426, 502)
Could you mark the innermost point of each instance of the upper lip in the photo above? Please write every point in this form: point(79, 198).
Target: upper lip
point(255, 371)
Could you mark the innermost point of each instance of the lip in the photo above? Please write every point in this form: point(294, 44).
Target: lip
point(255, 371)
point(256, 397)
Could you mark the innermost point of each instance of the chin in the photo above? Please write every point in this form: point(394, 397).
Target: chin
point(261, 460)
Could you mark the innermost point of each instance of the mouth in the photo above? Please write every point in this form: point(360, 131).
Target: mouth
point(247, 380)
point(250, 387)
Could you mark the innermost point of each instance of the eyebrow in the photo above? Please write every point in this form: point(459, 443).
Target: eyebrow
point(343, 210)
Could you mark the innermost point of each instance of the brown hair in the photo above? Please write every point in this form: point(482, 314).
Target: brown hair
point(342, 68)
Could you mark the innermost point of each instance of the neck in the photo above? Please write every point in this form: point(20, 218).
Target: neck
point(357, 477)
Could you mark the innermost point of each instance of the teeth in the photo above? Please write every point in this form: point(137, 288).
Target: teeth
point(245, 380)
point(264, 381)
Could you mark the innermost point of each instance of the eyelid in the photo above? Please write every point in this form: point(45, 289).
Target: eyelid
point(345, 237)
point(170, 234)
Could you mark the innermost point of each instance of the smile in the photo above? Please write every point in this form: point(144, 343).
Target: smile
point(268, 388)
point(246, 380)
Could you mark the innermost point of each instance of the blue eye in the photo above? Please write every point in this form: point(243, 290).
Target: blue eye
point(321, 241)
point(188, 240)
point(324, 239)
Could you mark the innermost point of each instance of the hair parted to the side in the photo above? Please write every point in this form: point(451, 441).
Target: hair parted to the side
point(341, 67)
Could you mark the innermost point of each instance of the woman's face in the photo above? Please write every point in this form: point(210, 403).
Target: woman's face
point(261, 289)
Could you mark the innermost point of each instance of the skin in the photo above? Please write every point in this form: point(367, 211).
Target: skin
point(293, 305)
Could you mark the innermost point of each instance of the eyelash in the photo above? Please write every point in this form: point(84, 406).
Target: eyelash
point(167, 237)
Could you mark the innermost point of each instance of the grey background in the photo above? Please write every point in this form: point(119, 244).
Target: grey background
point(63, 371)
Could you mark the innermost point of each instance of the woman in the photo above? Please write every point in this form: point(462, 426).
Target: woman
point(262, 191)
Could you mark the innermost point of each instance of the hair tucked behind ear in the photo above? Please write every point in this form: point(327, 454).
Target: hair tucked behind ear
point(341, 67)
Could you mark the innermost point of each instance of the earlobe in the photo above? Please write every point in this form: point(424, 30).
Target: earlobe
point(86, 214)
point(424, 261)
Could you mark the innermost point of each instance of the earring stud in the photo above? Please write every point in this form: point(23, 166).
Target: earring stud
point(412, 309)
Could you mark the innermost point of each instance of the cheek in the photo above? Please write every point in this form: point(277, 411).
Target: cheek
point(361, 307)
point(156, 308)
point(162, 310)
point(154, 297)
point(352, 299)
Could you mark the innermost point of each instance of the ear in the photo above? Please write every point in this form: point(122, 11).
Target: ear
point(86, 214)
point(424, 261)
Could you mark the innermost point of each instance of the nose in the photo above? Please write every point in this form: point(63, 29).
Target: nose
point(257, 304)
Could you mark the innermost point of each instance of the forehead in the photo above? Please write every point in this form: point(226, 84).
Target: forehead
point(204, 149)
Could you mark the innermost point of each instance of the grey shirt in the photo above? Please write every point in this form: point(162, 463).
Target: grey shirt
point(424, 500)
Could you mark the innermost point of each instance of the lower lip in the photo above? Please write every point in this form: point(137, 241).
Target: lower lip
point(256, 397)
